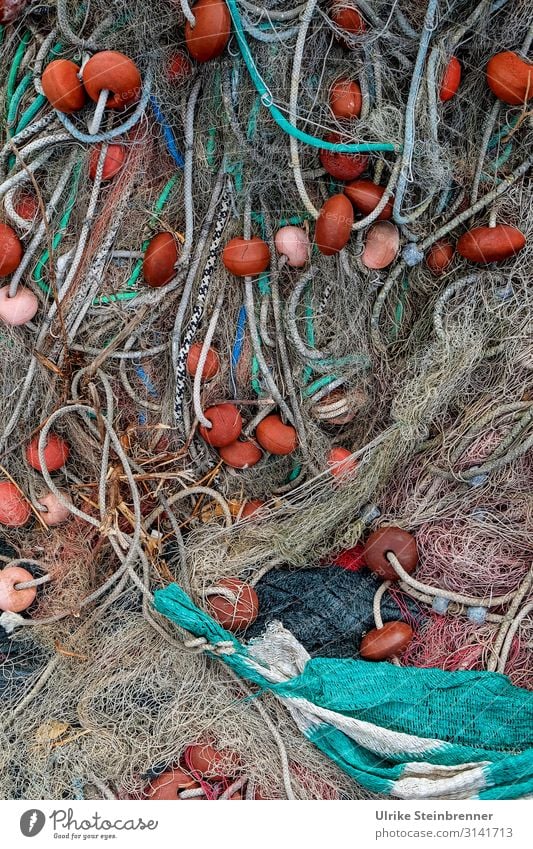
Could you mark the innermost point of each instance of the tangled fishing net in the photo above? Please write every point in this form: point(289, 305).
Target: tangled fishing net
point(185, 409)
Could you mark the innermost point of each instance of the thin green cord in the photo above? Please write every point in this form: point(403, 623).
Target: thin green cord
point(252, 120)
point(256, 385)
point(501, 133)
point(502, 159)
point(278, 116)
point(400, 308)
point(38, 274)
point(134, 276)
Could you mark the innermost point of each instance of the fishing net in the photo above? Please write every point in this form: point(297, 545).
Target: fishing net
point(423, 378)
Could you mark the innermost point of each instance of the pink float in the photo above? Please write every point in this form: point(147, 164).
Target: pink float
point(19, 309)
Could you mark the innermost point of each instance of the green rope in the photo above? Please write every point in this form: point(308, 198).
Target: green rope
point(277, 115)
point(19, 55)
point(14, 103)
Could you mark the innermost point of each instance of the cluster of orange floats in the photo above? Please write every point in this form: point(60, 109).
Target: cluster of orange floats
point(15, 512)
point(203, 773)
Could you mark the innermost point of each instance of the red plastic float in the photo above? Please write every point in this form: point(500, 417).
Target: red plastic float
point(14, 509)
point(160, 258)
point(345, 99)
point(226, 425)
point(237, 614)
point(342, 166)
point(112, 71)
point(179, 68)
point(10, 250)
point(63, 87)
point(387, 642)
point(26, 205)
point(339, 464)
point(208, 38)
point(168, 785)
point(276, 437)
point(451, 80)
point(348, 18)
point(393, 539)
point(440, 256)
point(246, 257)
point(491, 244)
point(241, 455)
point(209, 762)
point(334, 225)
point(252, 507)
point(510, 78)
point(56, 453)
point(211, 365)
point(113, 162)
point(365, 196)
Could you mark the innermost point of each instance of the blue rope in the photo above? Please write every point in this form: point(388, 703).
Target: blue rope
point(168, 134)
point(237, 345)
point(145, 378)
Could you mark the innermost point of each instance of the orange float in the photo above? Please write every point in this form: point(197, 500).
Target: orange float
point(365, 196)
point(491, 244)
point(246, 257)
point(208, 38)
point(118, 74)
point(510, 78)
point(340, 464)
point(56, 453)
point(14, 509)
point(439, 256)
point(226, 424)
point(113, 162)
point(334, 225)
point(395, 540)
point(384, 643)
point(10, 250)
point(26, 205)
point(62, 86)
point(237, 614)
point(211, 365)
point(276, 437)
point(345, 99)
point(159, 260)
point(241, 455)
point(451, 80)
point(342, 166)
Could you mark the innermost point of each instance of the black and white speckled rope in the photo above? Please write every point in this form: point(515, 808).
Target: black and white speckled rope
point(205, 283)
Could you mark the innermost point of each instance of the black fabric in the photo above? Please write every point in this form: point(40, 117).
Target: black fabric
point(327, 609)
